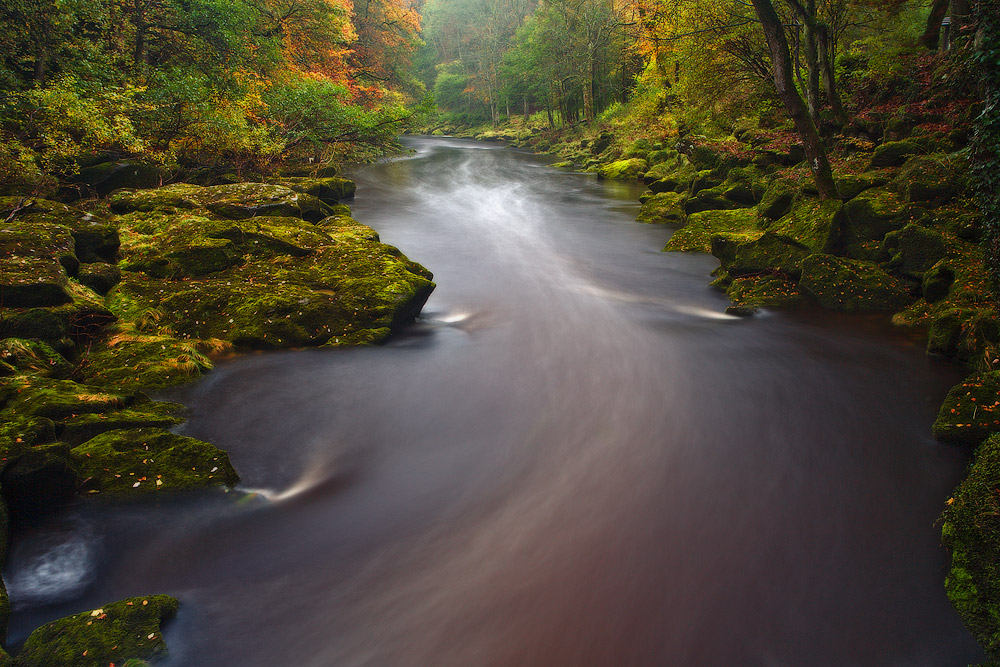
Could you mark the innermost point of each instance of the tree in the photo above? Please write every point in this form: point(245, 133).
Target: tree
point(781, 64)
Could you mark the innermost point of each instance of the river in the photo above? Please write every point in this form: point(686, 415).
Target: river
point(574, 458)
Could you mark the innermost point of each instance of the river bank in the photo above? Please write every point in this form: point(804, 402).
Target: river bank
point(107, 299)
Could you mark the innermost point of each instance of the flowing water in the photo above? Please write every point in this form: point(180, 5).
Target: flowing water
point(575, 458)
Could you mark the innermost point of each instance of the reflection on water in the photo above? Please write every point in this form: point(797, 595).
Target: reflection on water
point(574, 458)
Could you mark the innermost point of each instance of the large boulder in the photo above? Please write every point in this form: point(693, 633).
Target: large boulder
point(150, 460)
point(736, 226)
point(893, 154)
point(330, 189)
point(778, 198)
point(631, 169)
point(662, 207)
point(769, 253)
point(971, 411)
point(106, 177)
point(837, 283)
point(238, 201)
point(816, 223)
point(913, 250)
point(868, 218)
point(110, 635)
point(929, 179)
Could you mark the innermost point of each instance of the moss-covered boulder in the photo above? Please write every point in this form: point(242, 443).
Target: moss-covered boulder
point(631, 169)
point(737, 226)
point(837, 283)
point(769, 253)
point(937, 282)
point(970, 528)
point(31, 356)
point(893, 154)
point(710, 199)
point(777, 199)
point(663, 207)
point(153, 414)
point(130, 361)
point(971, 411)
point(868, 218)
point(57, 399)
point(816, 223)
point(913, 249)
point(329, 189)
point(930, 179)
point(238, 201)
point(81, 318)
point(106, 177)
point(750, 293)
point(149, 460)
point(99, 276)
point(114, 633)
point(850, 186)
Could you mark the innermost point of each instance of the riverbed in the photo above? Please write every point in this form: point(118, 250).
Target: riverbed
point(575, 457)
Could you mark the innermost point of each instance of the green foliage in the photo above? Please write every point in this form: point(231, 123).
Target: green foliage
point(985, 149)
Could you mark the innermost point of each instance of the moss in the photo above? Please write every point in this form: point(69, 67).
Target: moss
point(971, 530)
point(99, 276)
point(710, 199)
point(131, 361)
point(154, 414)
point(114, 633)
point(893, 154)
point(329, 190)
point(765, 291)
point(38, 480)
point(29, 356)
point(971, 411)
point(777, 199)
point(149, 460)
point(697, 234)
point(662, 207)
point(843, 284)
point(237, 201)
point(937, 281)
point(768, 253)
point(816, 223)
point(933, 179)
point(913, 250)
point(623, 170)
point(39, 323)
point(869, 217)
point(850, 186)
point(59, 399)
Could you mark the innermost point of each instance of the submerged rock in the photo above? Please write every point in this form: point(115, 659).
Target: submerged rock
point(112, 634)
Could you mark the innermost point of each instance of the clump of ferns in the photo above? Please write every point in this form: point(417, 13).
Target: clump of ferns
point(23, 355)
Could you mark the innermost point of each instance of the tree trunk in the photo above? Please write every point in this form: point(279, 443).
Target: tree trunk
point(781, 64)
point(588, 90)
point(932, 33)
point(826, 58)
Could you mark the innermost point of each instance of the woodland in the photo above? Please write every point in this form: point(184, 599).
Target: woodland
point(842, 153)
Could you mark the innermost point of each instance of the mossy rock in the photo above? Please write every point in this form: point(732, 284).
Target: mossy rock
point(602, 143)
point(83, 317)
point(850, 186)
point(19, 432)
point(931, 179)
point(150, 460)
point(971, 411)
point(696, 235)
point(237, 201)
point(676, 170)
point(100, 276)
point(970, 528)
point(816, 223)
point(837, 283)
point(154, 414)
point(768, 253)
point(639, 148)
point(937, 282)
point(112, 634)
point(31, 280)
point(913, 250)
point(662, 207)
point(58, 399)
point(39, 479)
point(31, 356)
point(631, 169)
point(133, 361)
point(741, 194)
point(329, 189)
point(94, 239)
point(869, 217)
point(711, 199)
point(765, 291)
point(777, 199)
point(893, 154)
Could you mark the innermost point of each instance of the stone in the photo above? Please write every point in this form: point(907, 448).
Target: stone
point(893, 154)
point(913, 250)
point(971, 411)
point(838, 283)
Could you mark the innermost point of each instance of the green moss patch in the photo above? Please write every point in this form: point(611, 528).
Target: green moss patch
point(913, 249)
point(135, 361)
point(869, 217)
point(150, 460)
point(237, 201)
point(837, 283)
point(154, 414)
point(631, 169)
point(768, 253)
point(767, 291)
point(738, 225)
point(971, 411)
point(662, 207)
point(112, 634)
point(816, 223)
point(971, 530)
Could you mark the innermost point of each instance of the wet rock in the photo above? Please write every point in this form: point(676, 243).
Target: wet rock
point(38, 480)
point(329, 190)
point(837, 283)
point(750, 293)
point(135, 361)
point(971, 411)
point(155, 414)
point(112, 634)
point(150, 460)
